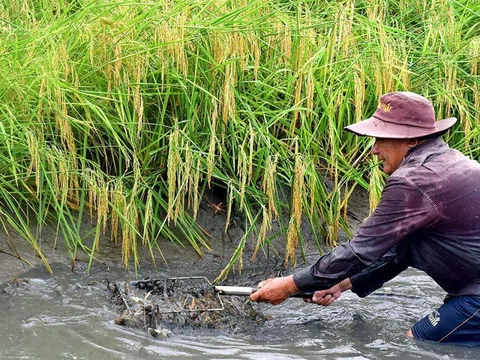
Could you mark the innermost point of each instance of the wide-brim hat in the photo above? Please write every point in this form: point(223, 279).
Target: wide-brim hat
point(402, 115)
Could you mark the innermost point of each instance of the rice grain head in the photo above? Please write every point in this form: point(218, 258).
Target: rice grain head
point(117, 62)
point(242, 173)
point(62, 121)
point(375, 187)
point(466, 119)
point(359, 92)
point(297, 101)
point(148, 216)
point(231, 198)
point(182, 183)
point(296, 213)
point(227, 96)
point(102, 204)
point(119, 203)
point(52, 159)
point(255, 49)
point(474, 55)
point(197, 176)
point(268, 184)
point(312, 186)
point(251, 150)
point(476, 103)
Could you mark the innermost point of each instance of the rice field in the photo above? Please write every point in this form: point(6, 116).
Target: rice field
point(128, 112)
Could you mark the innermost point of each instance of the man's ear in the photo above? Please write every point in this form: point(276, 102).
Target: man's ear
point(411, 143)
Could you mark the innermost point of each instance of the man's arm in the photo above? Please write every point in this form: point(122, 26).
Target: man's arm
point(388, 267)
point(402, 210)
point(340, 263)
point(370, 279)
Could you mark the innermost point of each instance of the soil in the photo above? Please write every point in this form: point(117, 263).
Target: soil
point(268, 262)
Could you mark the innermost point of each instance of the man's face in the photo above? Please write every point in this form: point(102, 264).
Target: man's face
point(391, 152)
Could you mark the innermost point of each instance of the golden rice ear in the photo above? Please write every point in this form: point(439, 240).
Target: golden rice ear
point(298, 191)
point(269, 185)
point(213, 141)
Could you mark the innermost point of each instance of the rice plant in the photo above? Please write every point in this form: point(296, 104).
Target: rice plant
point(128, 111)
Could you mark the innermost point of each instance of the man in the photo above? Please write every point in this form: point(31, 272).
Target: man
point(428, 218)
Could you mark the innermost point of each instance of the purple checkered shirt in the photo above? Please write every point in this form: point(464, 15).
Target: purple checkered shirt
point(432, 203)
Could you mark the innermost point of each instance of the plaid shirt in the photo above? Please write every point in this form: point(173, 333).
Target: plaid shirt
point(430, 207)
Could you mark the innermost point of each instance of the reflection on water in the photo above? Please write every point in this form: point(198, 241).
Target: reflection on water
point(70, 318)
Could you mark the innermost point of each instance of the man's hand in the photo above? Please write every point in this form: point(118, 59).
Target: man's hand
point(327, 297)
point(275, 290)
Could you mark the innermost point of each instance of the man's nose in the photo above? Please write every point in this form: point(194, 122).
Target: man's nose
point(374, 150)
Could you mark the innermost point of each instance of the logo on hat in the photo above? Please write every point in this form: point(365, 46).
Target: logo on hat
point(385, 107)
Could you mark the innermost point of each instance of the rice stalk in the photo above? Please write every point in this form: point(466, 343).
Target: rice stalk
point(264, 228)
point(375, 187)
point(172, 166)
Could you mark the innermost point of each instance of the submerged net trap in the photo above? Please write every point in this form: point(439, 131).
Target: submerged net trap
point(160, 306)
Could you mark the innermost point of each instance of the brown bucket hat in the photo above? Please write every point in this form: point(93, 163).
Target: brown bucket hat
point(402, 115)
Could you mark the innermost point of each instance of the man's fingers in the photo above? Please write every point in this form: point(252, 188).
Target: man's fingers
point(329, 300)
point(323, 298)
point(317, 295)
point(258, 292)
point(255, 295)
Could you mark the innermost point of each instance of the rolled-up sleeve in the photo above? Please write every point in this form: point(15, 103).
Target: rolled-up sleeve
point(403, 209)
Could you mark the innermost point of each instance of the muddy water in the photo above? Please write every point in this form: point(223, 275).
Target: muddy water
point(70, 317)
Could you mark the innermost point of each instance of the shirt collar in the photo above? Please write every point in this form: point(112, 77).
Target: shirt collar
point(422, 151)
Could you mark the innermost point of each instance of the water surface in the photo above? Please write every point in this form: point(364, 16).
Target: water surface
point(71, 318)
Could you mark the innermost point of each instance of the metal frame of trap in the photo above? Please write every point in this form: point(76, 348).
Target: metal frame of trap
point(184, 310)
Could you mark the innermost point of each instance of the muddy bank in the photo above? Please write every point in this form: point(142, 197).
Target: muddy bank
point(180, 260)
